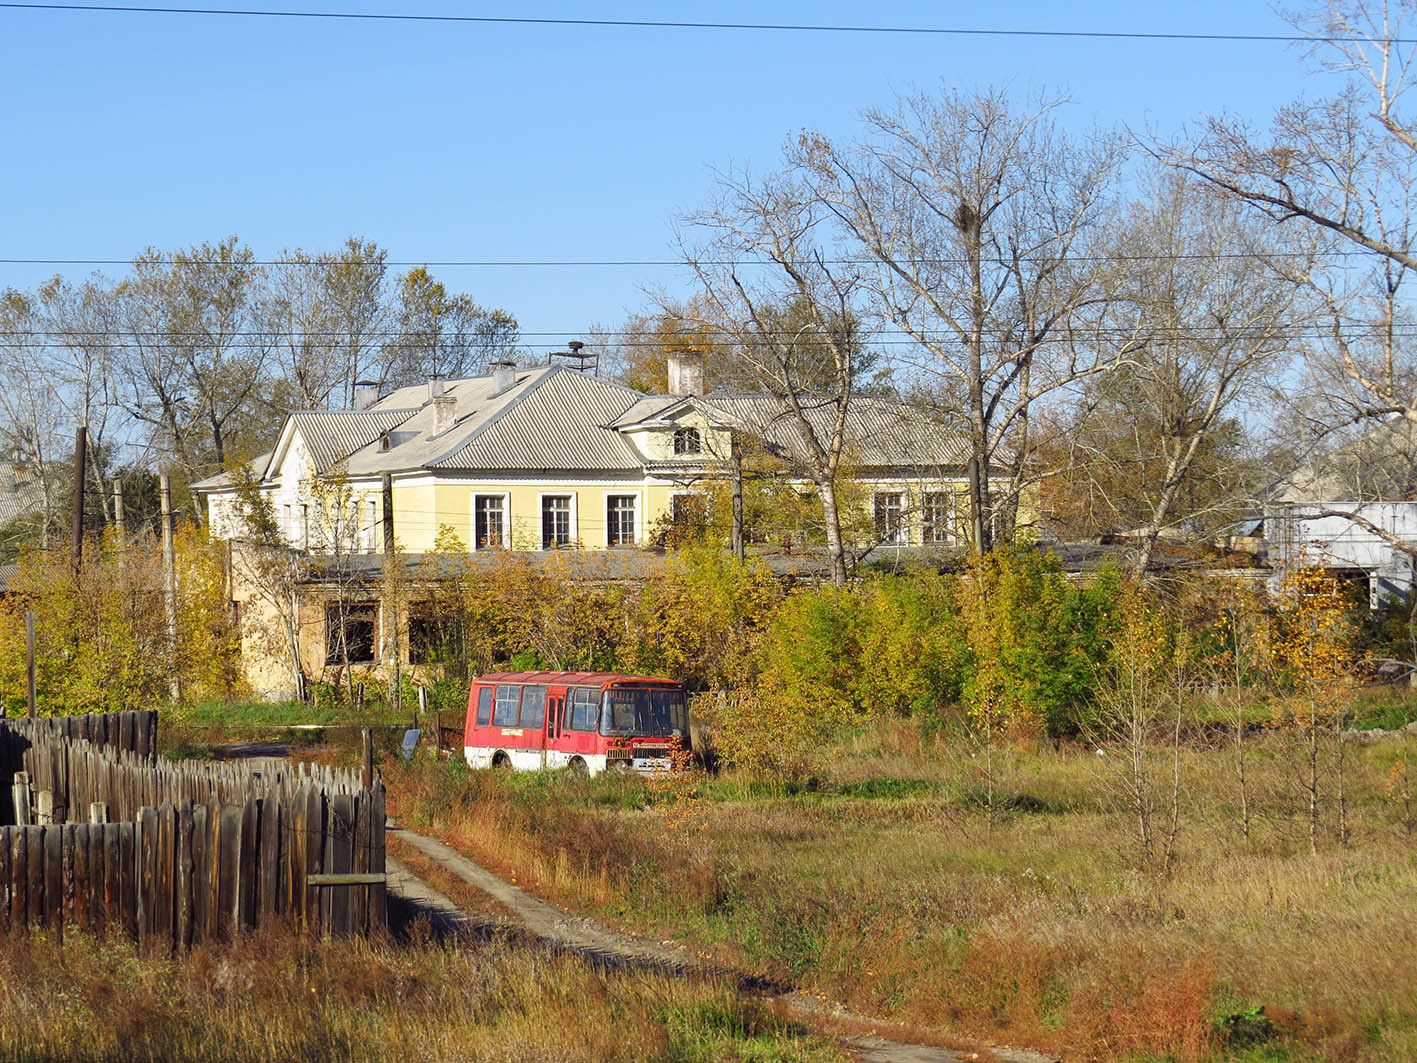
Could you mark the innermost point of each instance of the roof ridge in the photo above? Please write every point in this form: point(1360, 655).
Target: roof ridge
point(480, 430)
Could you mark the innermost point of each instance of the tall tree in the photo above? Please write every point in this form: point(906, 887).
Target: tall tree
point(197, 353)
point(444, 334)
point(977, 219)
point(789, 313)
point(1158, 442)
point(34, 426)
point(81, 326)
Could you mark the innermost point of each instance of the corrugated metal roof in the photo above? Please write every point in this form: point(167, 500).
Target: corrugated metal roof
point(878, 432)
point(647, 408)
point(557, 425)
point(333, 435)
point(20, 492)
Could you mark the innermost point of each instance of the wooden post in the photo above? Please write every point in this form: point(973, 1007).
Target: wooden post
point(118, 522)
point(98, 812)
point(29, 660)
point(391, 608)
point(737, 542)
point(81, 438)
point(438, 732)
point(20, 792)
point(169, 576)
point(44, 807)
point(368, 777)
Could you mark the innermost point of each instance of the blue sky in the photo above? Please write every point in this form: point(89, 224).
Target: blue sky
point(438, 141)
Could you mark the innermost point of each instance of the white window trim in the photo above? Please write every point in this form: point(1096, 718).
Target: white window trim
point(951, 526)
point(575, 529)
point(903, 530)
point(639, 522)
point(506, 497)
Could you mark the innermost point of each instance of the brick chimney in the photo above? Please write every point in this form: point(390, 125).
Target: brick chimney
point(504, 377)
point(686, 372)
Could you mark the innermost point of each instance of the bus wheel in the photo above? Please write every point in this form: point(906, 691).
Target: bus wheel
point(501, 760)
point(578, 766)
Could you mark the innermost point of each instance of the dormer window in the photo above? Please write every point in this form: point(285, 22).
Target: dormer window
point(687, 441)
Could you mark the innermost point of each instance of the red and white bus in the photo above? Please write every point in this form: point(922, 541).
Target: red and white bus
point(588, 721)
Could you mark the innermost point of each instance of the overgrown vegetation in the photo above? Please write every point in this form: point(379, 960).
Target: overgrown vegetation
point(275, 997)
point(890, 883)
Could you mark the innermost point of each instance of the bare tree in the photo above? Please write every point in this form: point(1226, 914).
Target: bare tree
point(770, 290)
point(1343, 169)
point(33, 422)
point(1160, 442)
point(977, 220)
point(81, 328)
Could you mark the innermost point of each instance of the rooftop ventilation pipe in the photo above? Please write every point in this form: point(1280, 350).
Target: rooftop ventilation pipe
point(504, 377)
point(366, 393)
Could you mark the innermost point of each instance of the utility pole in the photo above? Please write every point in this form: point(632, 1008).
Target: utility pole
point(29, 660)
point(118, 522)
point(391, 605)
point(737, 498)
point(81, 438)
point(169, 577)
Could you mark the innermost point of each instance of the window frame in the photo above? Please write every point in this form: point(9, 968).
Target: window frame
point(539, 722)
point(613, 528)
point(543, 499)
point(504, 505)
point(485, 697)
point(684, 437)
point(365, 609)
point(881, 518)
point(514, 702)
point(937, 518)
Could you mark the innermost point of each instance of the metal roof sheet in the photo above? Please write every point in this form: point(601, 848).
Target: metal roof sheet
point(559, 424)
point(333, 435)
point(879, 432)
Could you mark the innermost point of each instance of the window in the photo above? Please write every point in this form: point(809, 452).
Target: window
point(620, 520)
point(490, 519)
point(435, 635)
point(533, 708)
point(484, 706)
point(890, 517)
point(349, 632)
point(582, 708)
point(555, 521)
point(509, 697)
point(646, 712)
point(688, 441)
point(938, 512)
point(687, 511)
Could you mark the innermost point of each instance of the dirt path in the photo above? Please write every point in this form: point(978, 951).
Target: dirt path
point(610, 948)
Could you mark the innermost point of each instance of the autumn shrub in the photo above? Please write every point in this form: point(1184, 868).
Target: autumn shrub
point(1035, 641)
point(700, 618)
point(101, 634)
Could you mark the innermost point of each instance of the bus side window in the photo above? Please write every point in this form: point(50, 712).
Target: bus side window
point(584, 707)
point(484, 706)
point(533, 708)
point(509, 697)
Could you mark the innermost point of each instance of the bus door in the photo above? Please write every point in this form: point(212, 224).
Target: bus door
point(555, 706)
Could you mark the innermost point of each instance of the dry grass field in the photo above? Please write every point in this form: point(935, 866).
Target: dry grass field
point(889, 884)
point(276, 997)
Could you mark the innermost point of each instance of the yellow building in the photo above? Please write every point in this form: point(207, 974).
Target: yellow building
point(552, 458)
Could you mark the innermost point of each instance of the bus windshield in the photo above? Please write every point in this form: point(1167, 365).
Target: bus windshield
point(644, 711)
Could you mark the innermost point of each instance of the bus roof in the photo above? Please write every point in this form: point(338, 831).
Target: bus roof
point(569, 678)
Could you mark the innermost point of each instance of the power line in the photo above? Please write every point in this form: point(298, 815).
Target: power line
point(606, 23)
point(606, 263)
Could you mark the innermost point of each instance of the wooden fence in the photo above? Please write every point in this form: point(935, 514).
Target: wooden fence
point(202, 850)
point(134, 731)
